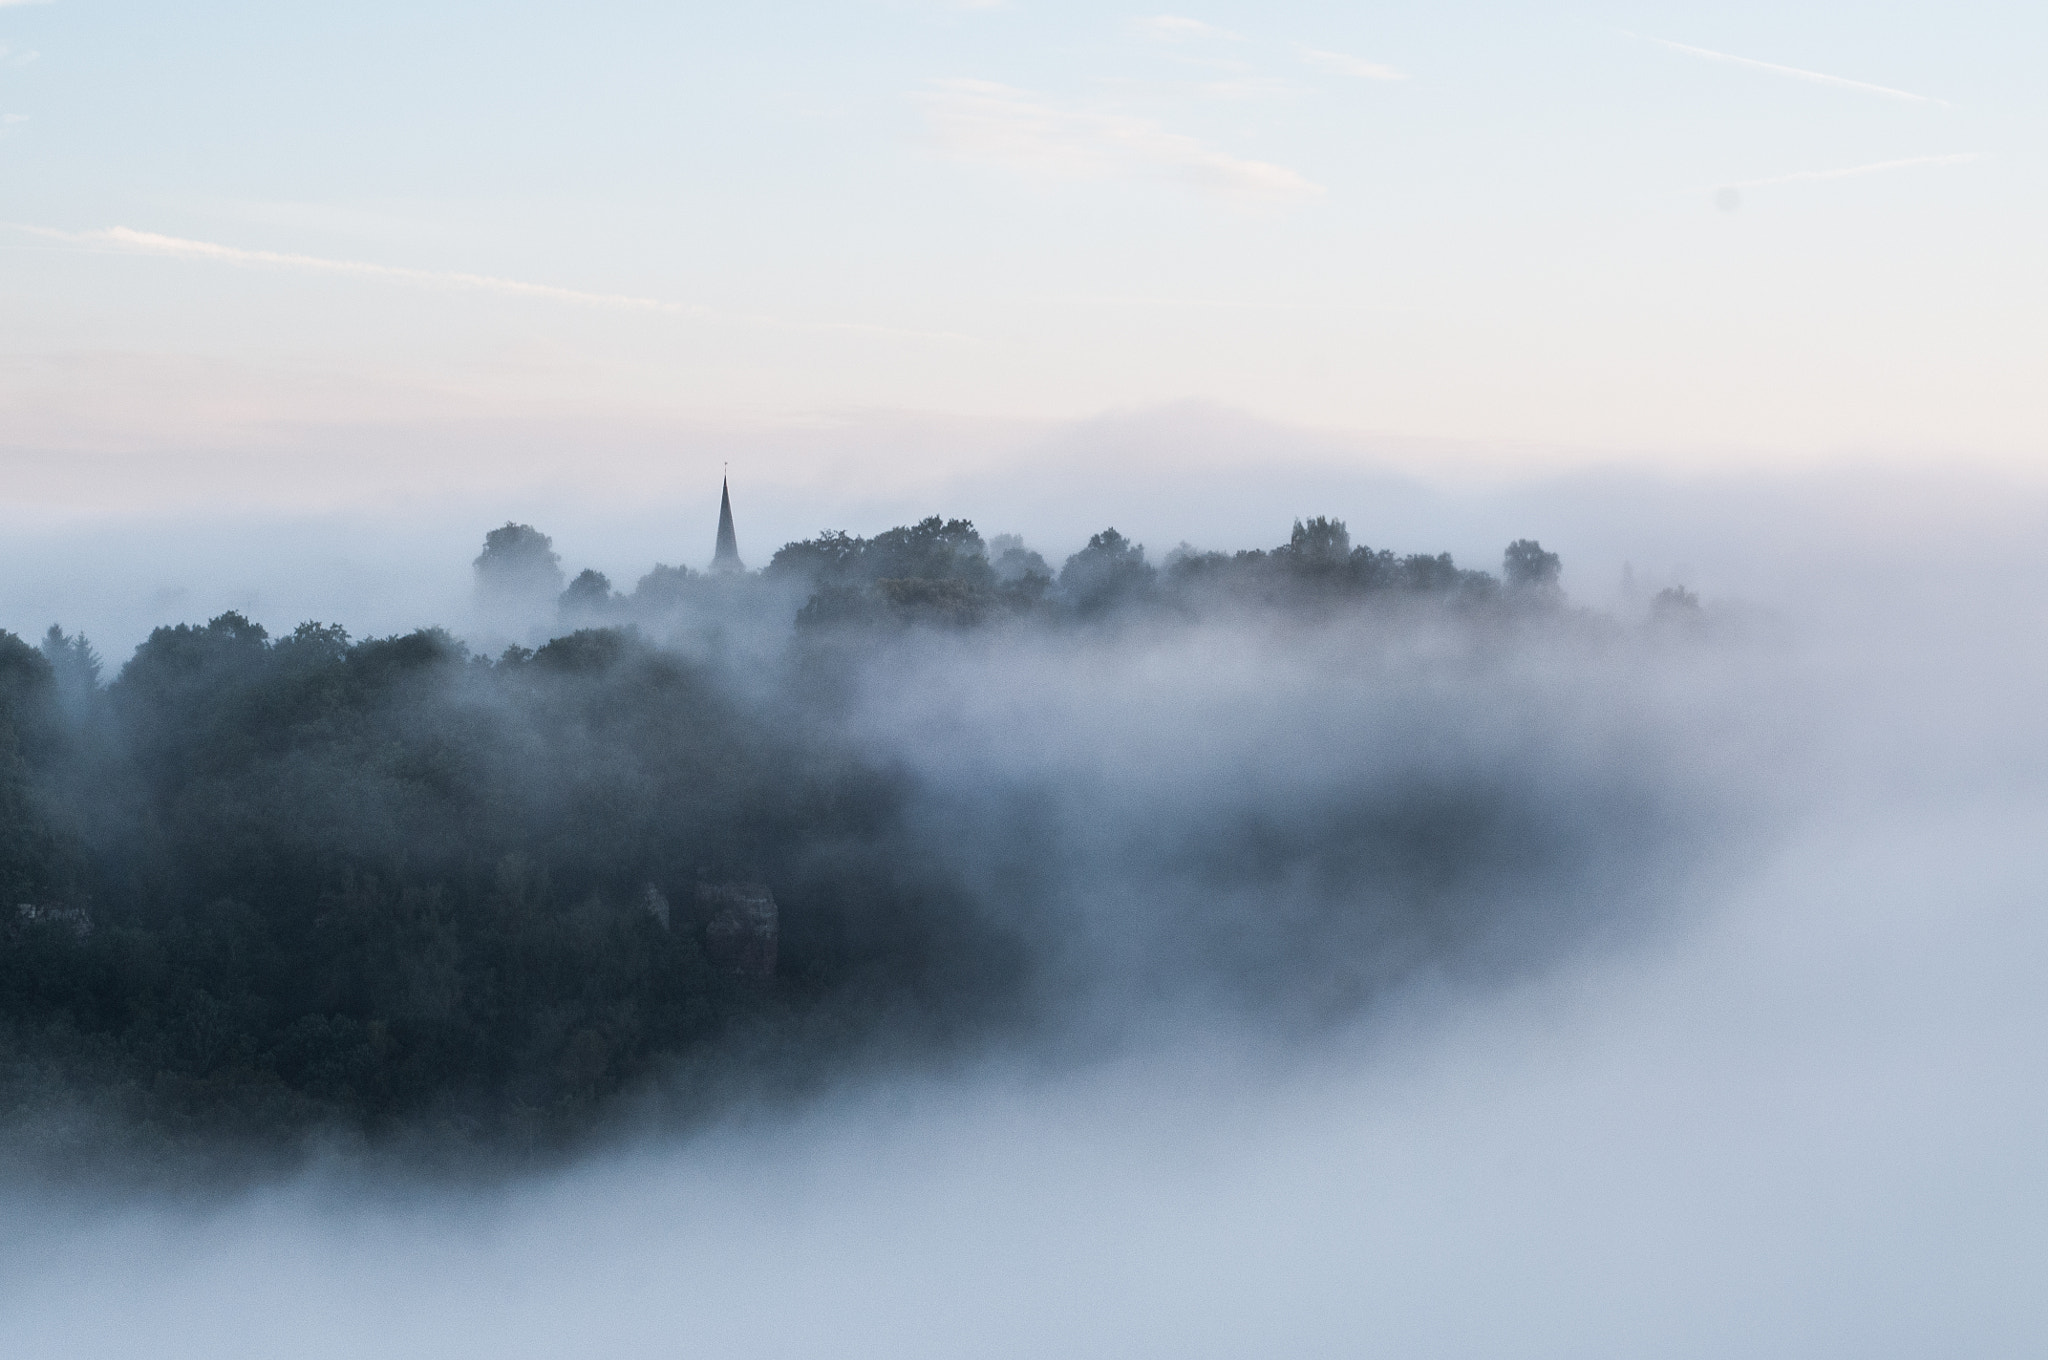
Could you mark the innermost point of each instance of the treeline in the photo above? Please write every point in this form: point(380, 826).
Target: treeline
point(267, 885)
point(277, 884)
point(942, 572)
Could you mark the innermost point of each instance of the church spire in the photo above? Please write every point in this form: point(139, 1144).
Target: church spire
point(727, 556)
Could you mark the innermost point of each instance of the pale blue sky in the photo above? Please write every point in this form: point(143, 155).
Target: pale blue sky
point(237, 226)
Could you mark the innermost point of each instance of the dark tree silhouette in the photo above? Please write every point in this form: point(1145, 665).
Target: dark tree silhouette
point(268, 882)
point(587, 597)
point(1111, 570)
point(1675, 600)
point(1319, 541)
point(519, 561)
point(75, 667)
point(1013, 562)
point(1525, 565)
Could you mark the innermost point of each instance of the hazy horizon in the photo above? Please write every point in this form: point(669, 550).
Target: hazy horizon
point(277, 243)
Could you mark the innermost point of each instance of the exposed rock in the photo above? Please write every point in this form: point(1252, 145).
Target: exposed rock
point(78, 919)
point(741, 928)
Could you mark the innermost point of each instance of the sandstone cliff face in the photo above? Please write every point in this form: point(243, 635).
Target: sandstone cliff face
point(741, 925)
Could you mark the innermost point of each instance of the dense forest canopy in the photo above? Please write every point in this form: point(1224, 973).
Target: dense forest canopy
point(941, 571)
point(273, 885)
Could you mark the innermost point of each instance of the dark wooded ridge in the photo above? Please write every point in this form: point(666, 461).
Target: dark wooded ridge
point(269, 885)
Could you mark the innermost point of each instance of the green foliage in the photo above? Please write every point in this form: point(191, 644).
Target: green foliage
point(378, 882)
point(273, 883)
point(27, 697)
point(75, 667)
point(1319, 542)
point(933, 549)
point(933, 572)
point(1111, 570)
point(937, 572)
point(1319, 566)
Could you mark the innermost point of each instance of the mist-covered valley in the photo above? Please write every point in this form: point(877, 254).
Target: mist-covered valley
point(1177, 953)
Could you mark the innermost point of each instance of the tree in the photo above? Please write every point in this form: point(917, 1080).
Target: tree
point(1013, 561)
point(933, 549)
point(75, 666)
point(588, 596)
point(1110, 570)
point(519, 560)
point(1675, 601)
point(1527, 566)
point(518, 578)
point(1320, 540)
point(26, 686)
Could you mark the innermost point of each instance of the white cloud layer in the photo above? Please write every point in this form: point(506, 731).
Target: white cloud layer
point(979, 120)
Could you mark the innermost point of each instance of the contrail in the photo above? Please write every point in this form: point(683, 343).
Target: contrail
point(1848, 172)
point(152, 243)
point(128, 240)
point(1817, 77)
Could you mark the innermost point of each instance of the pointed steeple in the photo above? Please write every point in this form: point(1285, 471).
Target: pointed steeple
point(727, 556)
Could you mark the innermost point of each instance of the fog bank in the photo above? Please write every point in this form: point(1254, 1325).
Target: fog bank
point(1790, 1104)
point(393, 552)
point(1808, 1127)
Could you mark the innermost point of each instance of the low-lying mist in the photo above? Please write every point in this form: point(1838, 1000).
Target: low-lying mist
point(888, 801)
point(1300, 953)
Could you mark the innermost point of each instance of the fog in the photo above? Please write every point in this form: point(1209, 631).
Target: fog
point(376, 529)
point(1724, 1029)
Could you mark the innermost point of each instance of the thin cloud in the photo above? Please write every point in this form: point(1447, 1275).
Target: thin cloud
point(130, 241)
point(1815, 77)
point(1344, 64)
point(1243, 89)
point(126, 240)
point(1852, 171)
point(6, 4)
point(1177, 28)
point(978, 120)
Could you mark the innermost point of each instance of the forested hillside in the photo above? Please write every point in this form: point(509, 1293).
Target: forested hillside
point(271, 885)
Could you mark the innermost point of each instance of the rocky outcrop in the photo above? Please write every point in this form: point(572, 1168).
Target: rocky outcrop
point(741, 926)
point(75, 919)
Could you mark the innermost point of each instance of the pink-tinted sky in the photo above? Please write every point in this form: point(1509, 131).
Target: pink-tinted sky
point(300, 255)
